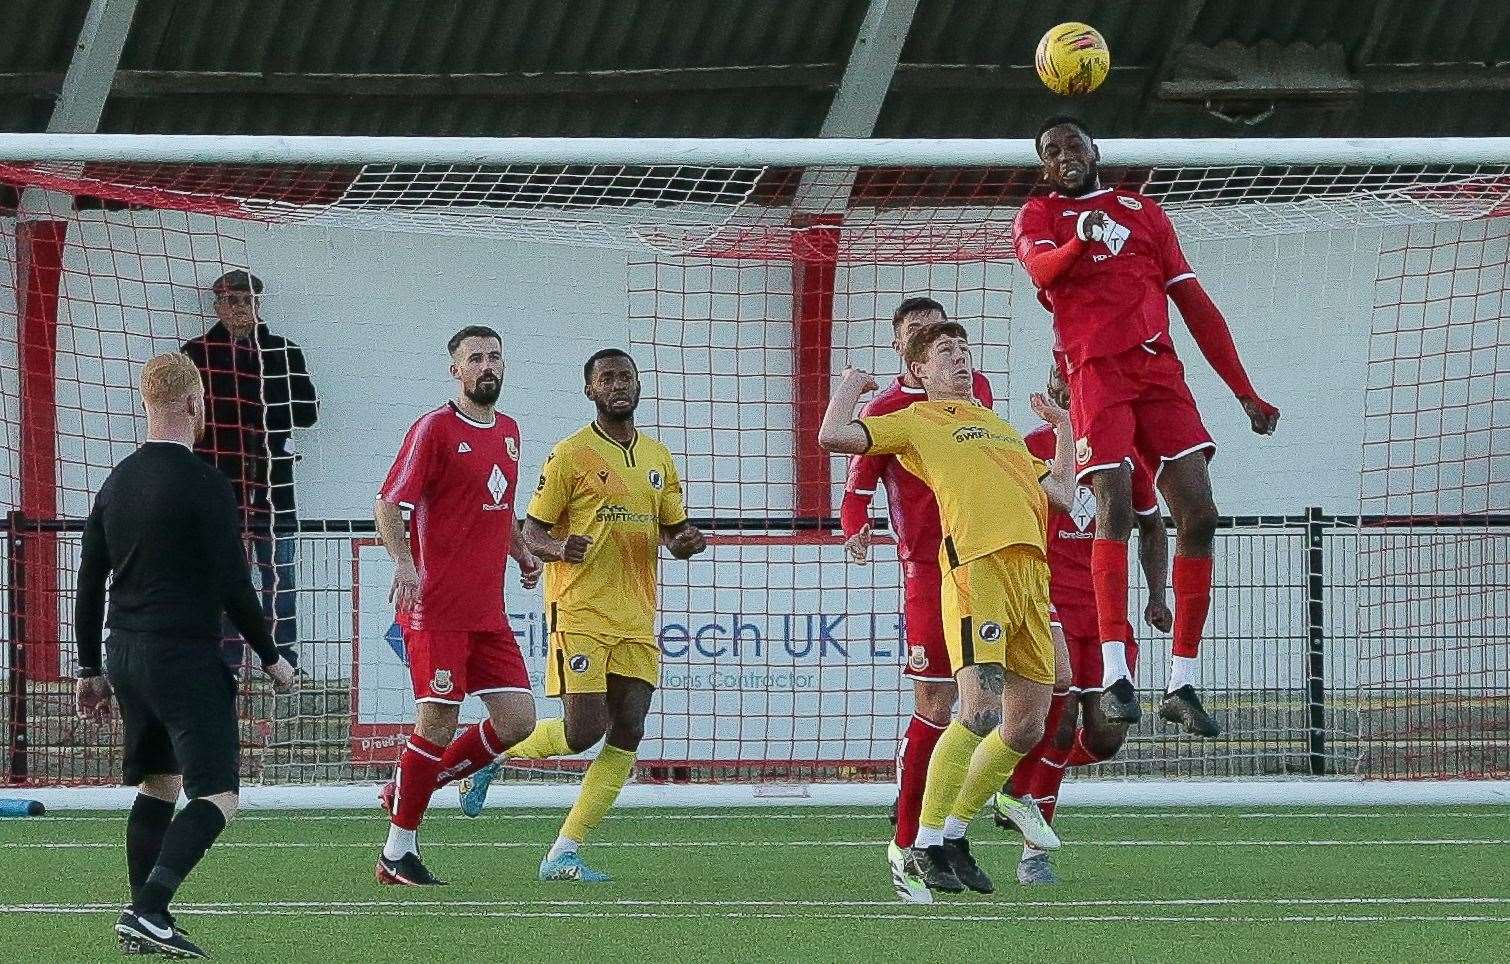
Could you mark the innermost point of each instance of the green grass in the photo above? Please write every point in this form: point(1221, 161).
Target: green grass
point(793, 884)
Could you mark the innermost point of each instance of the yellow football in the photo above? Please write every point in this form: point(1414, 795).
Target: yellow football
point(1072, 59)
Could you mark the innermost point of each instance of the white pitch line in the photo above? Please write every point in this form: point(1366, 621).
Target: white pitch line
point(600, 914)
point(209, 906)
point(737, 816)
point(777, 844)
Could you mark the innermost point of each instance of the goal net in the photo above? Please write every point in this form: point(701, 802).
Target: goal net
point(1359, 626)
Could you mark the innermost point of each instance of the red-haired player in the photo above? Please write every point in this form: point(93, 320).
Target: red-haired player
point(915, 523)
point(1106, 262)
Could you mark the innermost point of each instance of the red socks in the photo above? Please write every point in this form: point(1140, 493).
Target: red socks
point(1078, 755)
point(912, 772)
point(1191, 579)
point(1041, 771)
point(1109, 579)
point(475, 748)
point(418, 771)
point(1025, 773)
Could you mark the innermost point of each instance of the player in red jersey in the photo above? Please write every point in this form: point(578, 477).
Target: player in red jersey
point(1076, 732)
point(915, 522)
point(1106, 262)
point(456, 474)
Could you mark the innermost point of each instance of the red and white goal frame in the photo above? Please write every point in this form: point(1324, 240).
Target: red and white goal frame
point(1358, 647)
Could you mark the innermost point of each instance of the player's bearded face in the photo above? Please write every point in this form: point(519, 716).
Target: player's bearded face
point(485, 387)
point(478, 365)
point(615, 387)
point(1069, 160)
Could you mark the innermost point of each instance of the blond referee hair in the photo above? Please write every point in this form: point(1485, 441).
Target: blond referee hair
point(168, 378)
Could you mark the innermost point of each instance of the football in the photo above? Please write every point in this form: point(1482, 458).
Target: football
point(1072, 59)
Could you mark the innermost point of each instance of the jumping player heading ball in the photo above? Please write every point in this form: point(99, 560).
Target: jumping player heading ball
point(1106, 262)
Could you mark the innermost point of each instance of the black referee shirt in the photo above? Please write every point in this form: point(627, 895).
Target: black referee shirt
point(166, 524)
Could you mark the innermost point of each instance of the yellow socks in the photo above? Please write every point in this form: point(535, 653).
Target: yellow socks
point(990, 766)
point(546, 740)
point(600, 788)
point(947, 771)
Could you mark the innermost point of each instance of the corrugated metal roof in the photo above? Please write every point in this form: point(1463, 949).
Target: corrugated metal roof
point(986, 92)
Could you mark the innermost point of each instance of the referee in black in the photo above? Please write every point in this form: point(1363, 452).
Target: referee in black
point(166, 526)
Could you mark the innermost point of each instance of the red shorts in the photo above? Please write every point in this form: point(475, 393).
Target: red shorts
point(922, 611)
point(1083, 639)
point(447, 666)
point(1084, 642)
point(1131, 406)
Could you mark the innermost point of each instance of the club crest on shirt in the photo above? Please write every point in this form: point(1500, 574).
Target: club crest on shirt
point(440, 683)
point(1131, 203)
point(512, 447)
point(578, 663)
point(917, 659)
point(1082, 451)
point(654, 475)
point(990, 632)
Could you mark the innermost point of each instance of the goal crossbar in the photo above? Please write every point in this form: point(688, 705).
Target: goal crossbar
point(737, 152)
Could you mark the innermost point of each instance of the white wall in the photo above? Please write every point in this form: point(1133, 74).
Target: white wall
point(373, 310)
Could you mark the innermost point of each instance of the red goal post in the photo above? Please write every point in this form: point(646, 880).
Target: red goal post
point(748, 272)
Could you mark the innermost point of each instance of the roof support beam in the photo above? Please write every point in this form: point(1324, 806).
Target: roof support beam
point(857, 103)
point(91, 72)
point(867, 76)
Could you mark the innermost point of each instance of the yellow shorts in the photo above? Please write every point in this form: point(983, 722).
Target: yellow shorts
point(996, 612)
point(581, 662)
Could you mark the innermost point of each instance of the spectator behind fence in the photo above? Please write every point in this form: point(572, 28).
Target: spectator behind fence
point(257, 390)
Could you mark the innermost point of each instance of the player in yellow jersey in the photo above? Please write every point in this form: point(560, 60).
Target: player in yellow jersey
point(995, 596)
point(608, 499)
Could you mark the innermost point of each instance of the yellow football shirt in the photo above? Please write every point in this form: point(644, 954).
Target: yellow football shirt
point(984, 477)
point(620, 497)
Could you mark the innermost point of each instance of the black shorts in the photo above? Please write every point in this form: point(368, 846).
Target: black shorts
point(178, 709)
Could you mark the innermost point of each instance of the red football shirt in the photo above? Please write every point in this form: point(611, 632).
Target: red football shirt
point(457, 476)
point(1070, 533)
point(1114, 296)
point(910, 503)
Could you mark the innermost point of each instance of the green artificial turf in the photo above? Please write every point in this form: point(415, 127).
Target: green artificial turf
point(792, 884)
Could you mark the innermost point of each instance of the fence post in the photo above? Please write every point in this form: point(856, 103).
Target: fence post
point(1316, 650)
point(15, 643)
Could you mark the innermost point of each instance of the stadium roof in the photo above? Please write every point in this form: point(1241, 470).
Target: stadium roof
point(1220, 68)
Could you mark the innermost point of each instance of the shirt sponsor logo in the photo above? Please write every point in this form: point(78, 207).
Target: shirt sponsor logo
point(440, 683)
point(978, 433)
point(512, 446)
point(610, 512)
point(498, 484)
